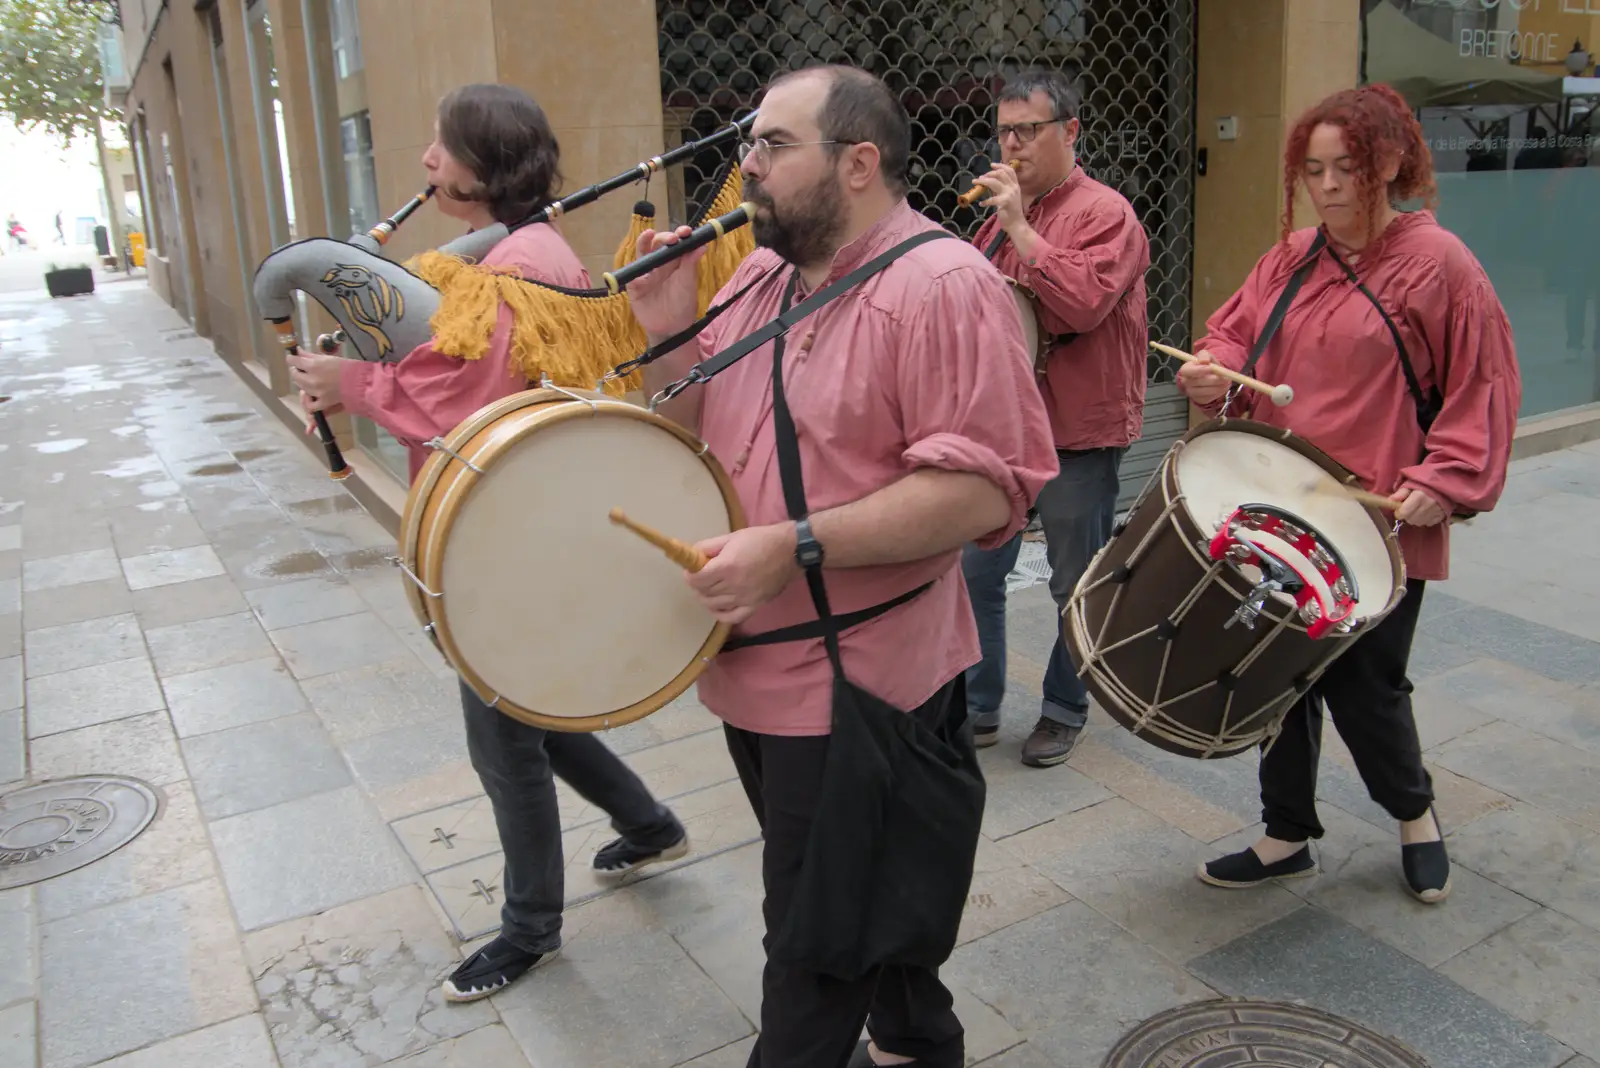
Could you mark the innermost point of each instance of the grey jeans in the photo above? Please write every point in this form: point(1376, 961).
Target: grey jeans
point(515, 762)
point(1076, 509)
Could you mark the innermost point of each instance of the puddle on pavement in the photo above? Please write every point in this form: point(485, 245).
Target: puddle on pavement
point(64, 445)
point(160, 489)
point(301, 563)
point(340, 505)
point(244, 456)
point(226, 417)
point(363, 559)
point(210, 470)
point(126, 431)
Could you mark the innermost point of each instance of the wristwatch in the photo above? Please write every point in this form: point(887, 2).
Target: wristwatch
point(807, 549)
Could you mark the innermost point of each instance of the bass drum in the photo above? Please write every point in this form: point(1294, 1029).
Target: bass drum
point(1033, 341)
point(551, 613)
point(1240, 574)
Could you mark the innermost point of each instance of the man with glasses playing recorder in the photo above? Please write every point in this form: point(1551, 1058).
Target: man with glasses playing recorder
point(1077, 246)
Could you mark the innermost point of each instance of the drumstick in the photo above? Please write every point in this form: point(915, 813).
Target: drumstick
point(1281, 394)
point(681, 553)
point(966, 199)
point(1376, 500)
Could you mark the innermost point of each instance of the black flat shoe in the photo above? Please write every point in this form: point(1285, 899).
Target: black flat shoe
point(1427, 868)
point(1238, 870)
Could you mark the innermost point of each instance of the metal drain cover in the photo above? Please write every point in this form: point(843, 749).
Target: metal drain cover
point(57, 827)
point(1256, 1034)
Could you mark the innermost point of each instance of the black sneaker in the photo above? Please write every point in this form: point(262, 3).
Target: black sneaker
point(983, 737)
point(492, 968)
point(619, 858)
point(1242, 869)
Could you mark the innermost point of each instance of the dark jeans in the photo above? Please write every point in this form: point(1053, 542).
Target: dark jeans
point(810, 1020)
point(1077, 509)
point(1369, 695)
point(515, 761)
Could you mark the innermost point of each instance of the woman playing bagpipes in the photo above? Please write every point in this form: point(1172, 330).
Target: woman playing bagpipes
point(495, 159)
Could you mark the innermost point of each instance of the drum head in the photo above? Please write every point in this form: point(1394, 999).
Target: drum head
point(1222, 469)
point(552, 606)
point(1030, 319)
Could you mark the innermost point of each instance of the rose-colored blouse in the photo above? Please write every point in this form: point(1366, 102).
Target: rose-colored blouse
point(427, 394)
point(1088, 276)
point(1350, 394)
point(922, 365)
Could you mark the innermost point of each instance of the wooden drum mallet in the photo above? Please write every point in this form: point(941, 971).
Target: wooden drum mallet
point(1281, 394)
point(679, 552)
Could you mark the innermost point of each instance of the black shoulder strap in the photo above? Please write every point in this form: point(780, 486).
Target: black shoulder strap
point(1286, 298)
point(1427, 406)
point(826, 626)
point(780, 326)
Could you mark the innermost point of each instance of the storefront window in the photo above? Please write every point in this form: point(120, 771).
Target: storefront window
point(1507, 96)
point(360, 176)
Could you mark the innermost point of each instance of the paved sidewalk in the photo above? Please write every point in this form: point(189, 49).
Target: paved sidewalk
point(187, 600)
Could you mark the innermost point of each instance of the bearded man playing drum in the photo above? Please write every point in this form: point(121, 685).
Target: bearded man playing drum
point(494, 158)
point(908, 404)
point(1078, 247)
point(1403, 368)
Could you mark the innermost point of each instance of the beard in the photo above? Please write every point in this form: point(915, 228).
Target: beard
point(805, 230)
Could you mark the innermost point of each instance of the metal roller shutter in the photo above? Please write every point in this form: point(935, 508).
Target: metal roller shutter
point(1133, 60)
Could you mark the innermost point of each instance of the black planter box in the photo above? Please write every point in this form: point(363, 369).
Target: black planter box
point(69, 281)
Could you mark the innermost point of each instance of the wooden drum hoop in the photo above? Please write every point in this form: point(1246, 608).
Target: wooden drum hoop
point(460, 463)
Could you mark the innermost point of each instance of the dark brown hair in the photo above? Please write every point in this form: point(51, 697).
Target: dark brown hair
point(502, 136)
point(1378, 125)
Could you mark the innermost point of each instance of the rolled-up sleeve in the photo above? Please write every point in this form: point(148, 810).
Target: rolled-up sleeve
point(968, 397)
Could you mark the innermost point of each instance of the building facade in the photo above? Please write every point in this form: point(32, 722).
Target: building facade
point(259, 122)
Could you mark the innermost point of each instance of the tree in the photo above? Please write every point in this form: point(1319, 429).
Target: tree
point(50, 77)
point(50, 66)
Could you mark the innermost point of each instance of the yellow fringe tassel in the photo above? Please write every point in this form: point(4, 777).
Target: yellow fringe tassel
point(722, 259)
point(627, 251)
point(574, 340)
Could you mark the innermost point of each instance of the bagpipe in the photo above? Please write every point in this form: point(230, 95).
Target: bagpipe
point(447, 296)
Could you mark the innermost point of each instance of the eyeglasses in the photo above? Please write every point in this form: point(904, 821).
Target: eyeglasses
point(1022, 131)
point(762, 149)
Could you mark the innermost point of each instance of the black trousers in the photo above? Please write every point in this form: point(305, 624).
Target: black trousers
point(1369, 696)
point(810, 1020)
point(516, 763)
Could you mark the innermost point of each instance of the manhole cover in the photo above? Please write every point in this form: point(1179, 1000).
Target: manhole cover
point(1256, 1034)
point(57, 827)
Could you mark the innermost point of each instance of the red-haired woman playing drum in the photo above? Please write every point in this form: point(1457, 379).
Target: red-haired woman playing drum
point(1404, 371)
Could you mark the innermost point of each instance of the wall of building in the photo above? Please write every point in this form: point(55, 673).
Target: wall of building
point(1261, 63)
point(418, 52)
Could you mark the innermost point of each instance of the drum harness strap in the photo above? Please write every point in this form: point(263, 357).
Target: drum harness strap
point(1427, 406)
point(783, 425)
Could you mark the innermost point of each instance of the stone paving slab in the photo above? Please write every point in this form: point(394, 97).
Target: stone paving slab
point(185, 598)
point(1312, 956)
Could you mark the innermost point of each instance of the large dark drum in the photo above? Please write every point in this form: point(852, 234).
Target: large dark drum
point(1242, 572)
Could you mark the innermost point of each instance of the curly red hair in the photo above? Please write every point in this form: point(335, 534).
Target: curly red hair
point(1378, 125)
